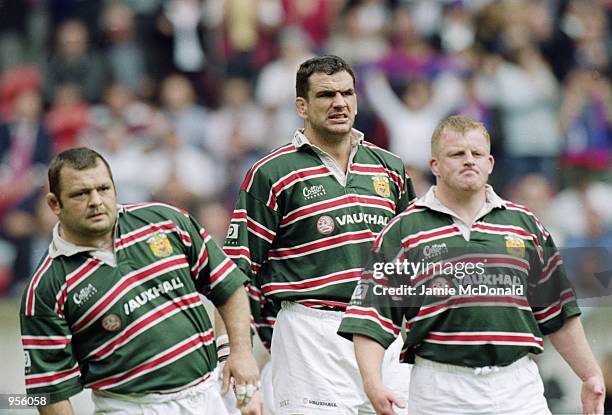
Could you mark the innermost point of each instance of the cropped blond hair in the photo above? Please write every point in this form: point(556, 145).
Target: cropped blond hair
point(459, 124)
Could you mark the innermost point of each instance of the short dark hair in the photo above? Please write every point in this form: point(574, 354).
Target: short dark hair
point(79, 158)
point(328, 64)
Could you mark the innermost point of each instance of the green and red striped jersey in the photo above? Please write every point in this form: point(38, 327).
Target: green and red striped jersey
point(301, 234)
point(137, 327)
point(489, 313)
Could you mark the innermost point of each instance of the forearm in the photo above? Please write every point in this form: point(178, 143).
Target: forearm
point(58, 408)
point(571, 343)
point(235, 321)
point(369, 354)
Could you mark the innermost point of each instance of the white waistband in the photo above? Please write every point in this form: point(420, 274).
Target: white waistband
point(309, 311)
point(158, 397)
point(478, 371)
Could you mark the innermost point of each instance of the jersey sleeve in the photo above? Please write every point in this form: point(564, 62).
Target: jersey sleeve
point(551, 295)
point(215, 274)
point(407, 194)
point(372, 312)
point(50, 365)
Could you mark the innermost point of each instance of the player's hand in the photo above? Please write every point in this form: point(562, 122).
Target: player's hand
point(382, 399)
point(255, 406)
point(592, 396)
point(241, 370)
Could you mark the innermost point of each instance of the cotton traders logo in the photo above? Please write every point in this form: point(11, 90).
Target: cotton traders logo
point(160, 245)
point(313, 191)
point(84, 294)
point(433, 250)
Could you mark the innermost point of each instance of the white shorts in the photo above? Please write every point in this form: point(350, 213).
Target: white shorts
point(440, 389)
point(204, 398)
point(314, 370)
point(266, 389)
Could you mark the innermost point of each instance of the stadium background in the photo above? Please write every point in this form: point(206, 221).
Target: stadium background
point(182, 96)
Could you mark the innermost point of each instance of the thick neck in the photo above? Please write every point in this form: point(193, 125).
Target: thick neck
point(339, 148)
point(465, 204)
point(103, 242)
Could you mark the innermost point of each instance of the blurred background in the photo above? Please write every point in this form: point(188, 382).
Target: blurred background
point(182, 96)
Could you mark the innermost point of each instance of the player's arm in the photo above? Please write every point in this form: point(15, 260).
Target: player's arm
point(216, 276)
point(241, 364)
point(369, 354)
point(557, 313)
point(57, 408)
point(572, 345)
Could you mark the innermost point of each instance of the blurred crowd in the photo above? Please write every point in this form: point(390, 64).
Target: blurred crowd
point(182, 96)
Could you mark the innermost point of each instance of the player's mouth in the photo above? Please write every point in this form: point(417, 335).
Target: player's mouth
point(96, 215)
point(339, 118)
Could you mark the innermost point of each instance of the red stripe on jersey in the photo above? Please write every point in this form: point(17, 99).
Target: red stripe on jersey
point(180, 350)
point(312, 283)
point(354, 311)
point(260, 230)
point(118, 290)
point(323, 243)
point(31, 341)
point(248, 180)
point(34, 381)
point(148, 321)
point(298, 176)
point(323, 303)
point(336, 204)
point(480, 337)
point(439, 233)
point(31, 295)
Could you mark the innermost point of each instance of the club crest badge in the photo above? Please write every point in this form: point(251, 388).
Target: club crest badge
point(325, 225)
point(111, 322)
point(160, 245)
point(381, 185)
point(515, 246)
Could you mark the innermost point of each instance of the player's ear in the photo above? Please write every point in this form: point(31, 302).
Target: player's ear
point(433, 166)
point(54, 203)
point(301, 106)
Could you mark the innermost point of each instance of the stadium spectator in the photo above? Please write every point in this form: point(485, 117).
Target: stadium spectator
point(356, 38)
point(76, 63)
point(186, 116)
point(276, 82)
point(411, 119)
point(125, 56)
point(585, 119)
point(25, 148)
point(68, 118)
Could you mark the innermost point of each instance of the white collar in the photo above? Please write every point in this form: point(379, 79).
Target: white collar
point(61, 247)
point(300, 140)
point(431, 201)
